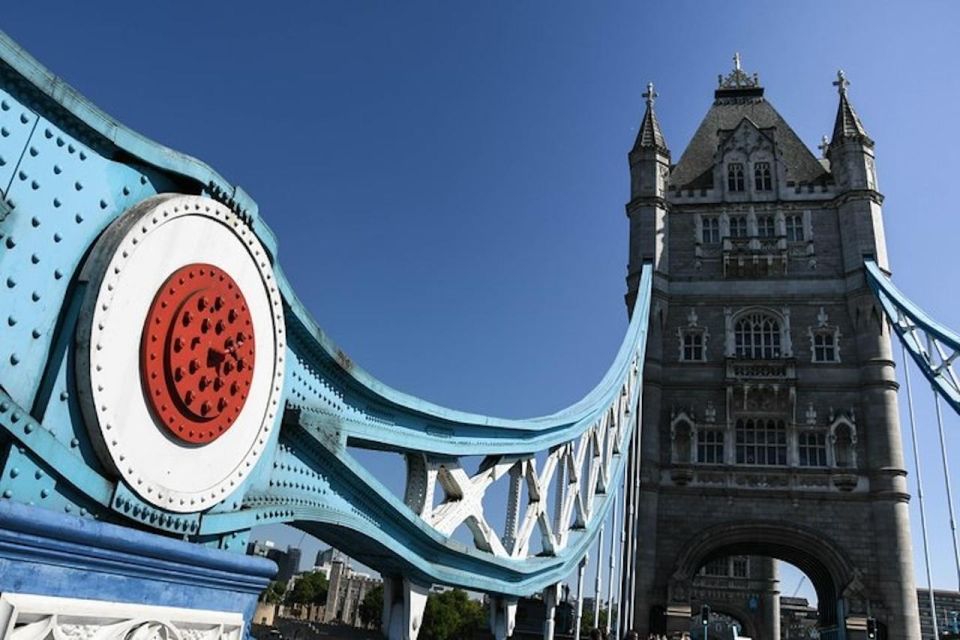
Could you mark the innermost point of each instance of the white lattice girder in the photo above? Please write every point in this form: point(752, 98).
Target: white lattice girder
point(576, 471)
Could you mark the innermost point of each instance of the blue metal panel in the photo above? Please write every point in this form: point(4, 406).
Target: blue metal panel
point(16, 125)
point(63, 195)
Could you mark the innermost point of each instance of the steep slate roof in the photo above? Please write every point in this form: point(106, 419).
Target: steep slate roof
point(847, 125)
point(650, 135)
point(733, 103)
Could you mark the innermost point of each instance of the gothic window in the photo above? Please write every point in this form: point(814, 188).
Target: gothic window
point(719, 567)
point(711, 230)
point(766, 227)
point(812, 448)
point(738, 226)
point(693, 339)
point(735, 176)
point(757, 337)
point(762, 180)
point(824, 340)
point(795, 228)
point(740, 567)
point(692, 346)
point(710, 446)
point(824, 347)
point(761, 441)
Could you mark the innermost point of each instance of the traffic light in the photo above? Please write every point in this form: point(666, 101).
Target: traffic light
point(705, 614)
point(871, 628)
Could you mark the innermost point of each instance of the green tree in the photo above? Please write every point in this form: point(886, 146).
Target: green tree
point(274, 592)
point(451, 615)
point(588, 624)
point(371, 609)
point(310, 588)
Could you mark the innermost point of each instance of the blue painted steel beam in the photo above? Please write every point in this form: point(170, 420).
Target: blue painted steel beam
point(68, 174)
point(932, 345)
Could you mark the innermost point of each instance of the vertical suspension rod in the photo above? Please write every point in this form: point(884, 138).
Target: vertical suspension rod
point(634, 513)
point(621, 628)
point(629, 524)
point(578, 618)
point(916, 464)
point(598, 585)
point(946, 481)
point(613, 564)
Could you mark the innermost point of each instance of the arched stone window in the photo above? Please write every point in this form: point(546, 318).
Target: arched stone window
point(757, 336)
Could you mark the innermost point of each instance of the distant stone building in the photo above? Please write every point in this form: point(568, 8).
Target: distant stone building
point(947, 604)
point(346, 592)
point(770, 419)
point(798, 620)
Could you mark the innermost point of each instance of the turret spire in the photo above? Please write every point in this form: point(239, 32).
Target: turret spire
point(650, 136)
point(847, 125)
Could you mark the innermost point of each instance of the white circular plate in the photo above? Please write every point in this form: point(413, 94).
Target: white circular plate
point(130, 264)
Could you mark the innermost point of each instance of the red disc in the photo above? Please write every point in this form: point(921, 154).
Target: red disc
point(197, 353)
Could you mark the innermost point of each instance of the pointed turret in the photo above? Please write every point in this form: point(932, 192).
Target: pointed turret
point(853, 166)
point(851, 149)
point(847, 126)
point(647, 209)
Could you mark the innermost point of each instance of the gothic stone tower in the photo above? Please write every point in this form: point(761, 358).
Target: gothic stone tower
point(770, 423)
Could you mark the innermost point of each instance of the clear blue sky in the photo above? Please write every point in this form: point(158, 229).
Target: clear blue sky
point(447, 179)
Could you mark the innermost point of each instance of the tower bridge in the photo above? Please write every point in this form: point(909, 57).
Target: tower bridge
point(163, 391)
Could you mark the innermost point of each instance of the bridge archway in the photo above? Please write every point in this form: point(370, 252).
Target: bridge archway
point(829, 570)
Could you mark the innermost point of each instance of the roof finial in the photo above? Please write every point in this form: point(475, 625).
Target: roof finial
point(824, 145)
point(841, 83)
point(650, 95)
point(738, 79)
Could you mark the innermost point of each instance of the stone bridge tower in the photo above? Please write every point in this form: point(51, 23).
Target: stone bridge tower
point(770, 421)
